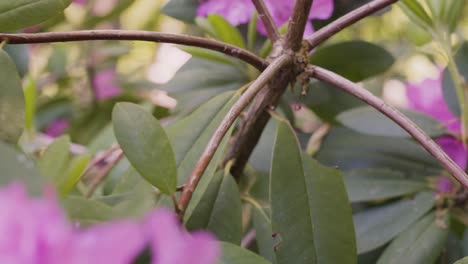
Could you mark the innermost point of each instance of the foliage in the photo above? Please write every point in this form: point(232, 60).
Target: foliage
point(330, 180)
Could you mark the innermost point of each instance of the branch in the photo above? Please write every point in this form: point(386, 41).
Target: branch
point(228, 120)
point(395, 115)
point(352, 17)
point(267, 20)
point(138, 35)
point(297, 24)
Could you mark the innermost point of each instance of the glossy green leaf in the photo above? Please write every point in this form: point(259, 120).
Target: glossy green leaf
point(233, 254)
point(146, 145)
point(11, 97)
point(87, 212)
point(378, 184)
point(225, 31)
point(367, 59)
point(19, 14)
point(350, 150)
point(190, 135)
point(16, 167)
point(462, 261)
point(54, 161)
point(422, 242)
point(367, 120)
point(219, 210)
point(184, 10)
point(73, 174)
point(375, 227)
point(311, 216)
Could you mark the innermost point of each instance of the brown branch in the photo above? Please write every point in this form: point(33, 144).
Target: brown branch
point(267, 20)
point(275, 67)
point(297, 24)
point(352, 17)
point(395, 115)
point(137, 35)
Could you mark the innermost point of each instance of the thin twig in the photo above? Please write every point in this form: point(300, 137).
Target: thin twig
point(267, 20)
point(226, 123)
point(101, 169)
point(137, 35)
point(352, 17)
point(395, 115)
point(297, 24)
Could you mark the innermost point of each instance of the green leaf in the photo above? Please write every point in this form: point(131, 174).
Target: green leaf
point(367, 59)
point(184, 10)
point(30, 96)
point(350, 150)
point(416, 13)
point(462, 261)
point(16, 167)
point(452, 12)
point(367, 120)
point(19, 14)
point(219, 210)
point(54, 161)
point(210, 55)
point(233, 254)
point(189, 137)
point(20, 56)
point(263, 233)
point(422, 242)
point(73, 174)
point(225, 31)
point(199, 80)
point(11, 97)
point(448, 87)
point(378, 184)
point(375, 227)
point(311, 216)
point(87, 212)
point(146, 145)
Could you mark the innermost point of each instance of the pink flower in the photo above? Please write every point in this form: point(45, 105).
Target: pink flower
point(170, 244)
point(57, 127)
point(444, 185)
point(426, 97)
point(36, 231)
point(240, 12)
point(104, 84)
point(80, 2)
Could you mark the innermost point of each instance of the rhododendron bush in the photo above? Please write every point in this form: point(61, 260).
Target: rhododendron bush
point(240, 131)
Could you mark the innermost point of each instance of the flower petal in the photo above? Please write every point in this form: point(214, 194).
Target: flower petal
point(455, 149)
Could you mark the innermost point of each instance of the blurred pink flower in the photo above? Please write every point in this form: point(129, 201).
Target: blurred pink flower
point(105, 85)
point(240, 12)
point(57, 127)
point(36, 231)
point(80, 2)
point(444, 185)
point(426, 97)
